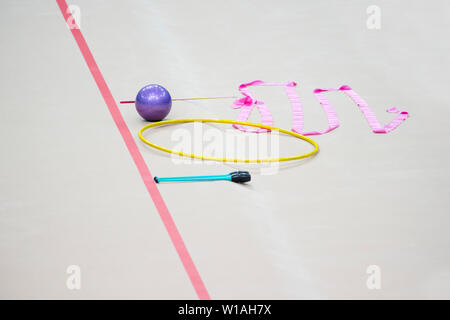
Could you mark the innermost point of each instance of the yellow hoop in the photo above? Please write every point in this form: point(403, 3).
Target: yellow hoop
point(250, 124)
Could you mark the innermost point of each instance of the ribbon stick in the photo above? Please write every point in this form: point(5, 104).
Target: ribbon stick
point(248, 102)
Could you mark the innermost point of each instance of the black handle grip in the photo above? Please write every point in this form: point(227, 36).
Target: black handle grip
point(240, 176)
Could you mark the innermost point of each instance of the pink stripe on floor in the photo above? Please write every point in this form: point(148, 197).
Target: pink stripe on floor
point(146, 176)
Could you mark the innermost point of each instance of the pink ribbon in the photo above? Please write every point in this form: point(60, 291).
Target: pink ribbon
point(247, 103)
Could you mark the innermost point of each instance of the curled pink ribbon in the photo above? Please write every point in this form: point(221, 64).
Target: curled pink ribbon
point(247, 103)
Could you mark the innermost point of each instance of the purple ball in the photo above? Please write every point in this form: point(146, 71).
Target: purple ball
point(153, 102)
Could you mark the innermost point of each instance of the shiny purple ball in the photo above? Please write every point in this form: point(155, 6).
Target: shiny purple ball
point(153, 102)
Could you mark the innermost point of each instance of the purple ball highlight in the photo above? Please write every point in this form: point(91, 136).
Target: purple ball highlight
point(153, 102)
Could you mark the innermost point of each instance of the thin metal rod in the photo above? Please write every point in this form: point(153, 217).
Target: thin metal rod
point(183, 99)
point(208, 98)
